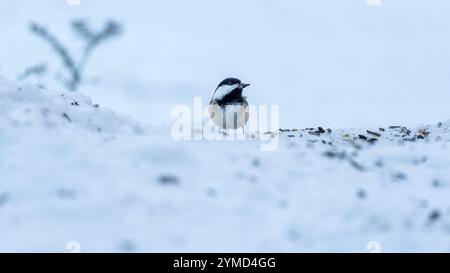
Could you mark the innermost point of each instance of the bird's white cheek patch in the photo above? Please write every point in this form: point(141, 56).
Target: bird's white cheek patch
point(223, 91)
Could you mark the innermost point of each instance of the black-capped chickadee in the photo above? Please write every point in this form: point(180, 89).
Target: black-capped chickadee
point(228, 109)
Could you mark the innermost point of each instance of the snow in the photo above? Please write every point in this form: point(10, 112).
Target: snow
point(130, 187)
point(99, 168)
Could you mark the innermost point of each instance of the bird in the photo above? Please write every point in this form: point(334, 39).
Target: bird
point(228, 109)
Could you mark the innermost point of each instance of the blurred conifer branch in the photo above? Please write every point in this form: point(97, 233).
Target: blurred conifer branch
point(74, 68)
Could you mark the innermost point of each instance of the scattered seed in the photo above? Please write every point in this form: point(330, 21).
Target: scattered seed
point(406, 131)
point(437, 183)
point(211, 192)
point(361, 194)
point(422, 133)
point(256, 162)
point(398, 176)
point(363, 137)
point(4, 199)
point(373, 133)
point(168, 179)
point(434, 215)
point(127, 245)
point(66, 117)
point(356, 165)
point(68, 194)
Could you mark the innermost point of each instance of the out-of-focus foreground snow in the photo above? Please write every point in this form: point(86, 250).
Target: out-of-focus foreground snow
point(72, 170)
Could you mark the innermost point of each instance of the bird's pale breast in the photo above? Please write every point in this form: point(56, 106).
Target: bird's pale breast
point(230, 116)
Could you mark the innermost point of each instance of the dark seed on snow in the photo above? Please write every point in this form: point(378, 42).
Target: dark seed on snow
point(372, 140)
point(256, 162)
point(436, 183)
point(418, 161)
point(68, 194)
point(4, 199)
point(252, 178)
point(399, 176)
point(127, 245)
point(356, 165)
point(283, 204)
point(373, 133)
point(421, 134)
point(405, 130)
point(361, 194)
point(211, 192)
point(434, 215)
point(66, 117)
point(290, 135)
point(168, 179)
point(379, 163)
point(362, 137)
point(293, 235)
point(423, 204)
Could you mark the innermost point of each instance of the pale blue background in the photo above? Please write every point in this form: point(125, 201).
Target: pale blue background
point(325, 62)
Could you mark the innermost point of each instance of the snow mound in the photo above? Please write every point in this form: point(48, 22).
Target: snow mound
point(330, 190)
point(32, 106)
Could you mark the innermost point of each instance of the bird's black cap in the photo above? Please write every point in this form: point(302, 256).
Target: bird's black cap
point(230, 81)
point(233, 81)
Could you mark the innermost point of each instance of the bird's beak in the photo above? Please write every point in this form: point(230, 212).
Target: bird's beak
point(244, 85)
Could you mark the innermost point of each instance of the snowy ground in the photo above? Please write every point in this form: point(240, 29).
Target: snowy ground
point(72, 170)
